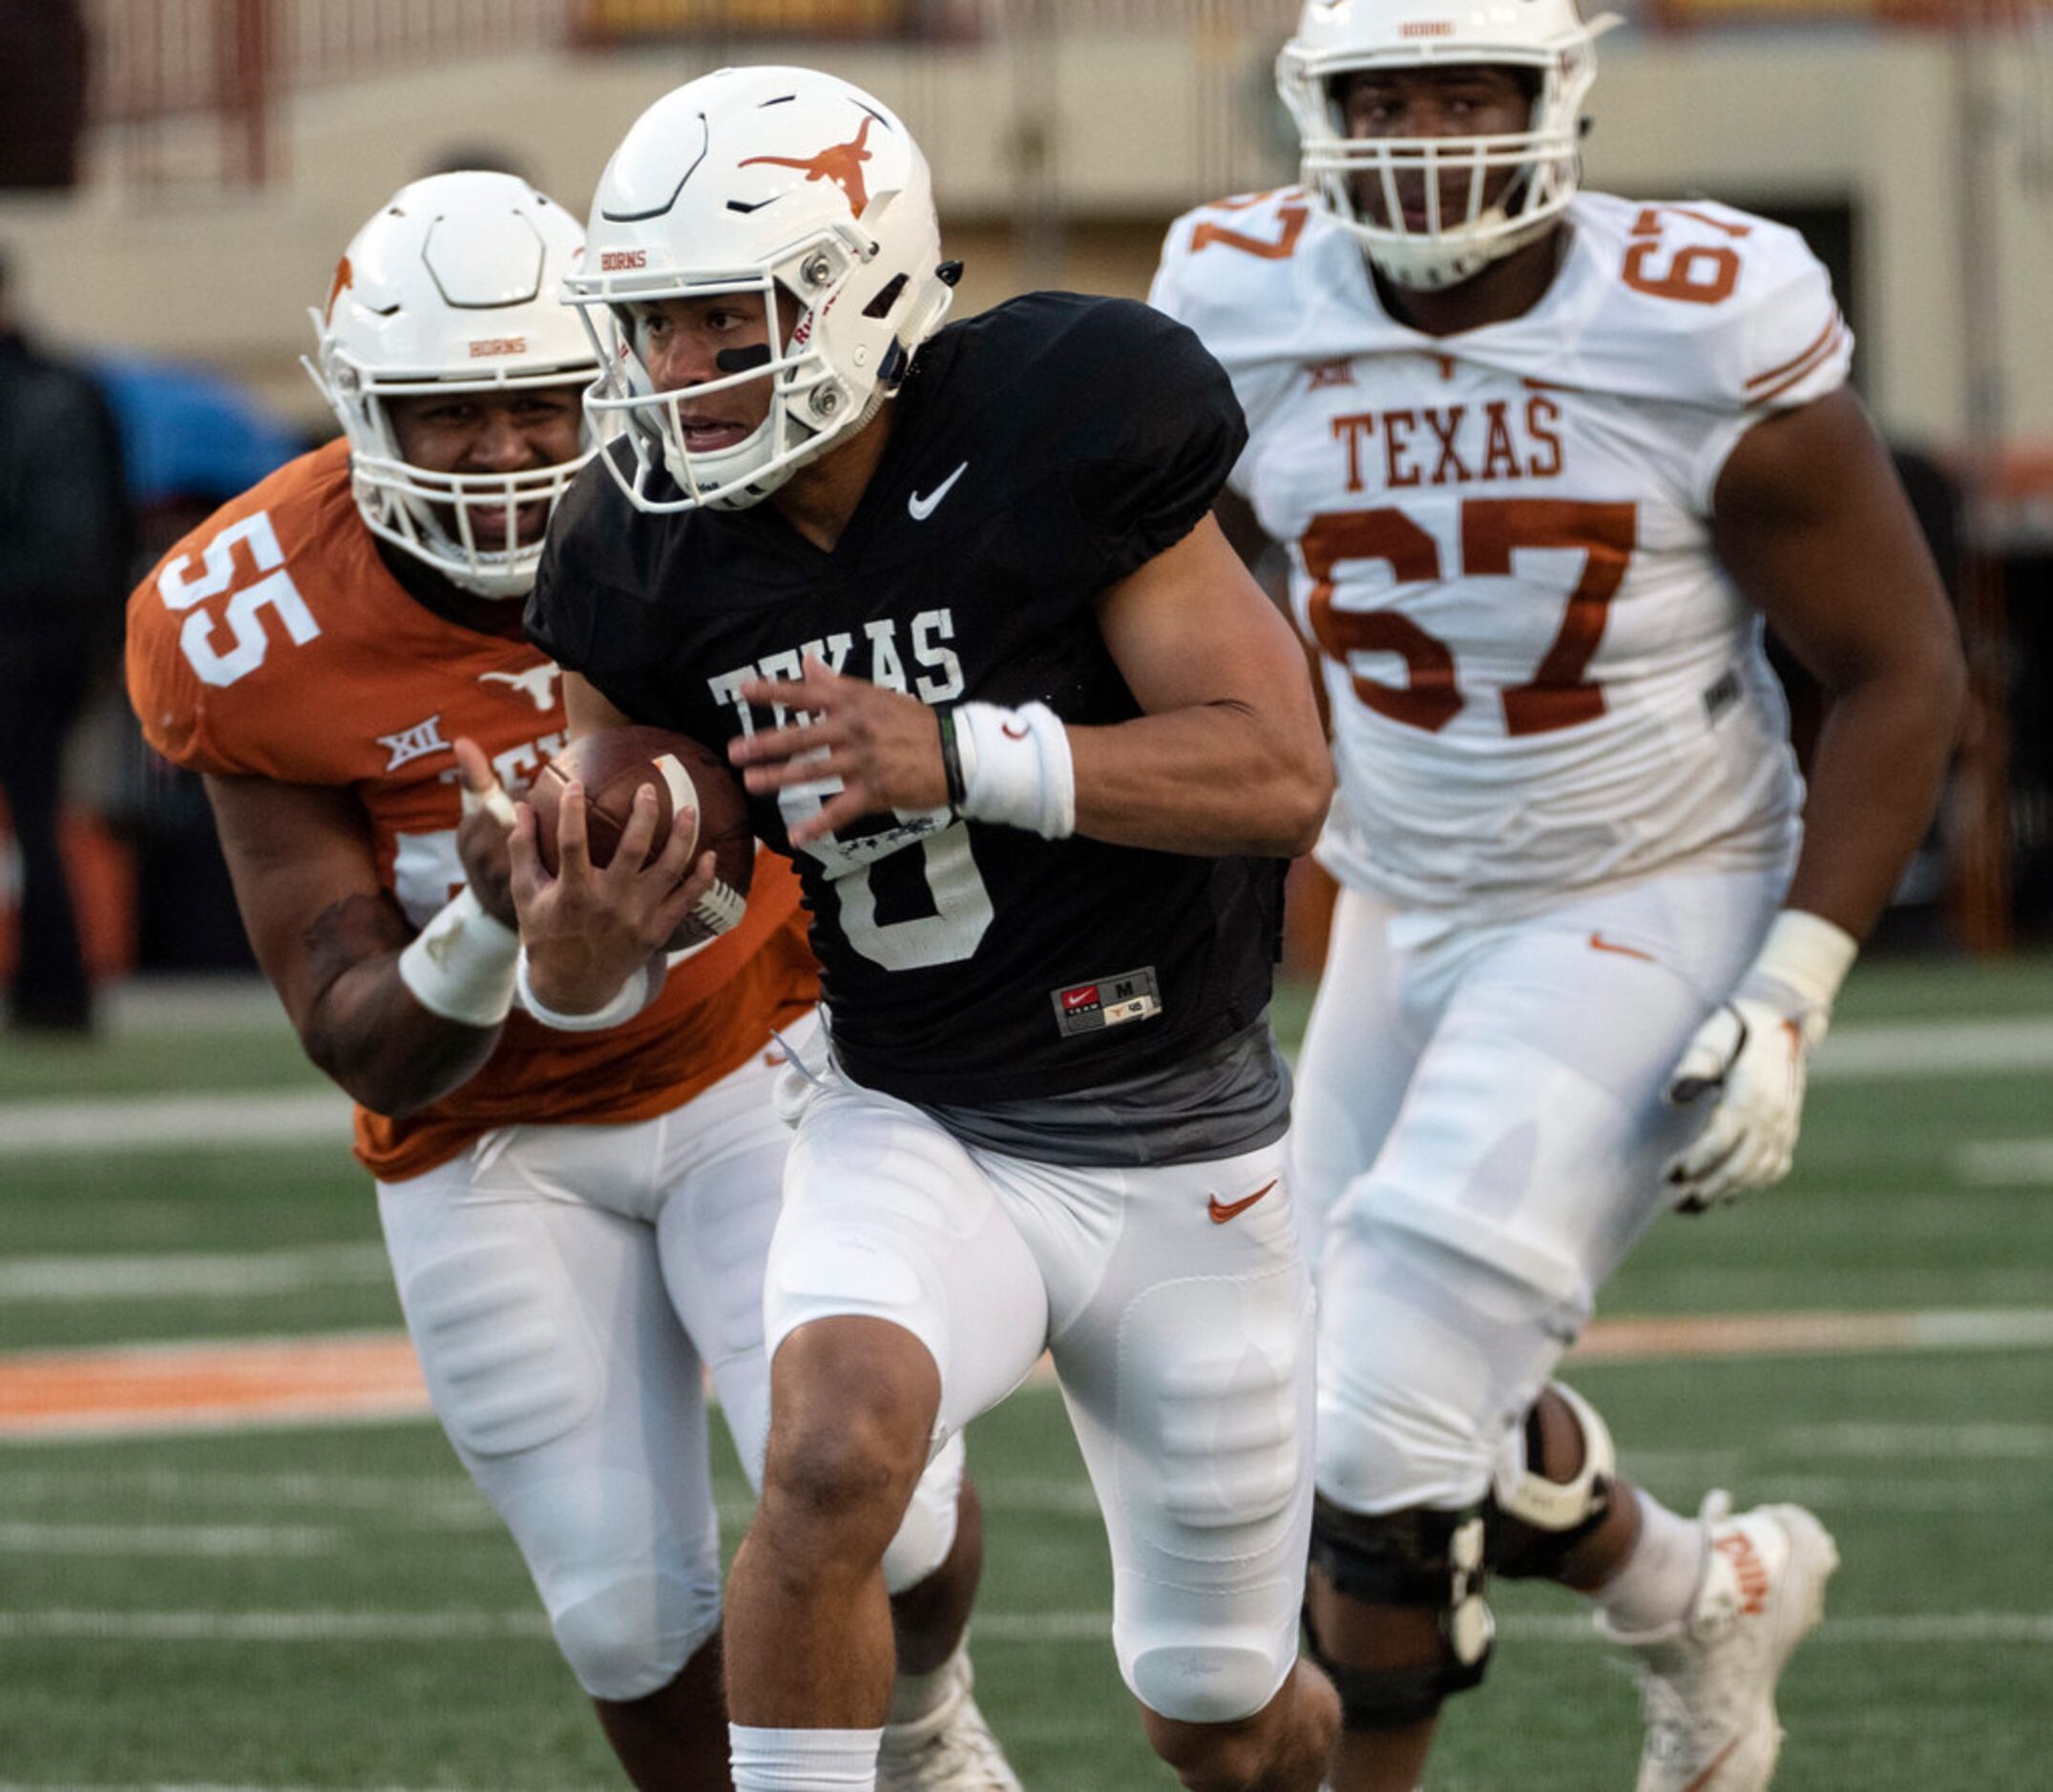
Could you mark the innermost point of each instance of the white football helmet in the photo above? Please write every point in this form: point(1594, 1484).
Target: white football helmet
point(760, 182)
point(1337, 38)
point(453, 287)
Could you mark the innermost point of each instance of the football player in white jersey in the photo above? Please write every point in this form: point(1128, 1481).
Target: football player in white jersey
point(1544, 461)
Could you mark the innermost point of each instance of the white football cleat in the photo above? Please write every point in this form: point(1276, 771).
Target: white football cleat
point(1708, 1682)
point(950, 1749)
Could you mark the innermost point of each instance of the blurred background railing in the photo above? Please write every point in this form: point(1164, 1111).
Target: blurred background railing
point(177, 177)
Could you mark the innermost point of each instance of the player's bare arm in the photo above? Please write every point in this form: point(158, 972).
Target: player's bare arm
point(1812, 524)
point(1811, 521)
point(1240, 524)
point(330, 939)
point(587, 708)
point(1249, 541)
point(1229, 759)
point(1229, 756)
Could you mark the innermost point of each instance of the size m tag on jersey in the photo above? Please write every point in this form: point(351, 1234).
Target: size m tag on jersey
point(1108, 1001)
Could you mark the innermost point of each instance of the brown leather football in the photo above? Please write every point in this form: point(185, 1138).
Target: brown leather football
point(613, 765)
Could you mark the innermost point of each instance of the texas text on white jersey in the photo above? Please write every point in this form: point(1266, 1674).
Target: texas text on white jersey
point(1541, 680)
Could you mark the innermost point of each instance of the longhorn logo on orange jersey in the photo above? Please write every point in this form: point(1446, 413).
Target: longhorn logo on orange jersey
point(842, 164)
point(344, 278)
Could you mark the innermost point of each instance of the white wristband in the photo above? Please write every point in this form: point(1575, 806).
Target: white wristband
point(1804, 956)
point(626, 1003)
point(460, 965)
point(1017, 768)
point(494, 802)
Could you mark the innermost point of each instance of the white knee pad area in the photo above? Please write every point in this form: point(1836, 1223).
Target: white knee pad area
point(629, 1636)
point(1209, 1681)
point(1424, 1408)
point(928, 1530)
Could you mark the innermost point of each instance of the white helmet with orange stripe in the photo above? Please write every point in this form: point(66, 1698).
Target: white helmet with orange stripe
point(451, 289)
point(1480, 197)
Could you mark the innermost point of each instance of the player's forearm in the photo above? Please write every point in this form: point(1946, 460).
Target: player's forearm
point(371, 1034)
point(399, 1022)
point(1212, 779)
point(1874, 782)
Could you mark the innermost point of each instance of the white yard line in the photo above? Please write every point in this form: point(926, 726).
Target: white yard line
point(1852, 1053)
point(444, 1506)
point(1919, 1049)
point(318, 1412)
point(165, 1785)
point(1939, 1442)
point(213, 1004)
point(1919, 1629)
point(174, 1275)
point(252, 1117)
point(174, 1540)
point(1922, 1629)
point(412, 1494)
point(2006, 1163)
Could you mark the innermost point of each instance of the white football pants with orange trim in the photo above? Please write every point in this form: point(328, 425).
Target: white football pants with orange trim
point(1175, 1303)
point(568, 1289)
point(1481, 1135)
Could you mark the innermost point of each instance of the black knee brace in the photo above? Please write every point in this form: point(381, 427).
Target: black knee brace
point(1420, 1560)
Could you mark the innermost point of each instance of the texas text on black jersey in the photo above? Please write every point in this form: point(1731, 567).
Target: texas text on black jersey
point(1040, 452)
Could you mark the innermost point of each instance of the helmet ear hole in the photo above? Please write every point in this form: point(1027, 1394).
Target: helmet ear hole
point(886, 297)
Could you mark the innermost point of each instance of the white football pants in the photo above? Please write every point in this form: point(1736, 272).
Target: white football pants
point(1480, 1133)
point(567, 1289)
point(1178, 1312)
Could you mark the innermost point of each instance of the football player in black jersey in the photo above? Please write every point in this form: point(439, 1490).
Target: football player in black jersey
point(1039, 750)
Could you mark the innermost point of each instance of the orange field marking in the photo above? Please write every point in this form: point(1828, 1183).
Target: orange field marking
point(229, 1384)
point(205, 1386)
point(1748, 1335)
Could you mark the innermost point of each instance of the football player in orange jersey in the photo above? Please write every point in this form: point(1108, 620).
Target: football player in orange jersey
point(578, 1221)
point(1543, 459)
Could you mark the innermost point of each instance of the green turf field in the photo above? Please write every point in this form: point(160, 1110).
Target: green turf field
point(332, 1606)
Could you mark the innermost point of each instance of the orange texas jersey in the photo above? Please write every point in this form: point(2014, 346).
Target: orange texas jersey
point(273, 642)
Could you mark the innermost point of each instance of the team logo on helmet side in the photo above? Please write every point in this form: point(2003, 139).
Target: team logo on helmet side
point(344, 278)
point(842, 163)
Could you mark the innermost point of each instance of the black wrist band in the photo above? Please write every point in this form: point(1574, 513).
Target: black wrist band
point(950, 758)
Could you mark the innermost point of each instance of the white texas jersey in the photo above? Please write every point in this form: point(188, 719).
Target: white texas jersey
point(1541, 679)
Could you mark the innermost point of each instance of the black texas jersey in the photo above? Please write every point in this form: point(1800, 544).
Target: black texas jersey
point(1041, 451)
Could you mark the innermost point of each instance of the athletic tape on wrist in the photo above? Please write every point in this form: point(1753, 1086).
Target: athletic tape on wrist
point(1017, 768)
point(626, 1003)
point(493, 800)
point(1804, 955)
point(460, 965)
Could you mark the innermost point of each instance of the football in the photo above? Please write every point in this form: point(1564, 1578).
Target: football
point(688, 778)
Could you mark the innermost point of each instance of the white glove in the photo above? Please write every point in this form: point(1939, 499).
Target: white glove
point(1749, 1060)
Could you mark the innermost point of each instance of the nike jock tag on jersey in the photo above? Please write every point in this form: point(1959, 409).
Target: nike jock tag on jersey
point(1108, 1001)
